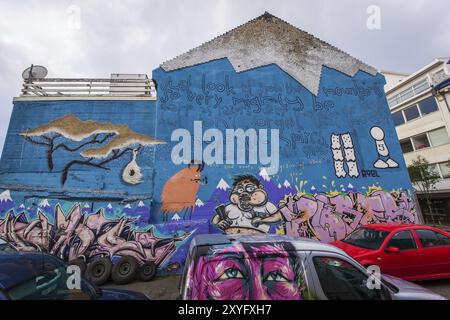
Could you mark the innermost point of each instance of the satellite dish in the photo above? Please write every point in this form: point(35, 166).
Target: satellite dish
point(34, 72)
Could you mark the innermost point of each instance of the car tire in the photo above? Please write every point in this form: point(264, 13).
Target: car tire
point(124, 271)
point(99, 270)
point(147, 271)
point(80, 263)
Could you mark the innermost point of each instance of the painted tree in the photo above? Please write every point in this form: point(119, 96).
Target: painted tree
point(424, 178)
point(98, 143)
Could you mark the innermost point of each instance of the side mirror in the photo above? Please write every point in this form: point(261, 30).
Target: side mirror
point(392, 250)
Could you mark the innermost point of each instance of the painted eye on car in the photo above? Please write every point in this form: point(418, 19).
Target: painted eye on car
point(275, 276)
point(231, 273)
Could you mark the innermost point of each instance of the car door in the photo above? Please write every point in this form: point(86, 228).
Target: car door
point(337, 278)
point(436, 252)
point(404, 263)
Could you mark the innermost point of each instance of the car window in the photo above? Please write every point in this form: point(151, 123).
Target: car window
point(52, 285)
point(430, 238)
point(403, 240)
point(341, 280)
point(367, 238)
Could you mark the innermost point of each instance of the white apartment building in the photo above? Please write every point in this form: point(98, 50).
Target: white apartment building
point(420, 109)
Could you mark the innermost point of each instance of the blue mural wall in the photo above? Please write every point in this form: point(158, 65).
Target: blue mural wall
point(112, 163)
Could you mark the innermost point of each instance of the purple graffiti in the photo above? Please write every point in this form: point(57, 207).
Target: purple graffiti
point(78, 235)
point(330, 218)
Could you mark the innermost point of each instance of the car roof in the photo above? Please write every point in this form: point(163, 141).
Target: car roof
point(301, 244)
point(18, 267)
point(388, 226)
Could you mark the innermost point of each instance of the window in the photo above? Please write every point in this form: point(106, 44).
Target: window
point(420, 142)
point(341, 280)
point(367, 238)
point(428, 105)
point(409, 93)
point(445, 170)
point(430, 238)
point(402, 240)
point(435, 169)
point(406, 146)
point(398, 118)
point(439, 137)
point(421, 86)
point(411, 113)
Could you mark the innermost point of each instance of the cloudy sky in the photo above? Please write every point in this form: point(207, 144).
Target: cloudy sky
point(94, 38)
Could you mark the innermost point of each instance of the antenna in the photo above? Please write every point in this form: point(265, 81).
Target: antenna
point(34, 72)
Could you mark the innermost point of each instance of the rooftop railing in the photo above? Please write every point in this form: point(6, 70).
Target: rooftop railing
point(59, 87)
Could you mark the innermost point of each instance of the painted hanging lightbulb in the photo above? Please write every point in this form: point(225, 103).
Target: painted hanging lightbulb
point(132, 172)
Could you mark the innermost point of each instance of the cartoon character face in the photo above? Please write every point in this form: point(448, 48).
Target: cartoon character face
point(247, 194)
point(249, 271)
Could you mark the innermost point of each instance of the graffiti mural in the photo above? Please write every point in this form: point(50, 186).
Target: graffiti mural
point(81, 237)
point(120, 140)
point(265, 151)
point(378, 136)
point(269, 271)
point(322, 216)
point(180, 191)
point(248, 202)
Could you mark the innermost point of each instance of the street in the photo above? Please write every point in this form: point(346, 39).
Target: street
point(166, 288)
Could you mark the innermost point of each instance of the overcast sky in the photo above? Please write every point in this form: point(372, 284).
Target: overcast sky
point(136, 36)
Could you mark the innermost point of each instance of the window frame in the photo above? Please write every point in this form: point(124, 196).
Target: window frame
point(314, 277)
point(427, 133)
point(420, 241)
point(417, 105)
point(394, 233)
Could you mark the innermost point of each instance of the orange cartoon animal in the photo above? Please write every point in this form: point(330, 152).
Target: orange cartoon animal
point(180, 191)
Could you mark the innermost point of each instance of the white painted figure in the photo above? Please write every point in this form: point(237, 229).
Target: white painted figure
point(132, 172)
point(344, 153)
point(378, 135)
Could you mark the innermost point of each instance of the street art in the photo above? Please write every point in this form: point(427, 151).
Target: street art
point(344, 154)
point(322, 216)
point(76, 236)
point(251, 271)
point(248, 201)
point(180, 191)
point(119, 139)
point(383, 152)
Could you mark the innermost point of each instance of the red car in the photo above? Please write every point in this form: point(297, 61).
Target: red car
point(410, 252)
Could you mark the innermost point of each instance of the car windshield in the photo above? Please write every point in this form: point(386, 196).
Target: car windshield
point(367, 238)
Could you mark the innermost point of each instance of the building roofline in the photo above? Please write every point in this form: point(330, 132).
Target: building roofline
point(416, 74)
point(394, 72)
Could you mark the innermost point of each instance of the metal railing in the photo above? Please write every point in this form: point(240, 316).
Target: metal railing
point(58, 87)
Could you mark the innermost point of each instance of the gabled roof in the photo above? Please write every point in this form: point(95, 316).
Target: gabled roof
point(269, 40)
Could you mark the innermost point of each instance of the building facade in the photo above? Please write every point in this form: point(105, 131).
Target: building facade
point(265, 129)
point(419, 105)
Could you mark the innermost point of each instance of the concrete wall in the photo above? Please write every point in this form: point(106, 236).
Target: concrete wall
point(340, 164)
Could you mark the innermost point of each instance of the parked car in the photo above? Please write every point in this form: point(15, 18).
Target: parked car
point(262, 267)
point(410, 252)
point(40, 276)
point(6, 247)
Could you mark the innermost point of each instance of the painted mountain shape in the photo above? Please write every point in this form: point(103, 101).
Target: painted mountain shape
point(273, 41)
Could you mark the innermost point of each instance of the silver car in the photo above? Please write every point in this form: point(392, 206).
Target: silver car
point(261, 267)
